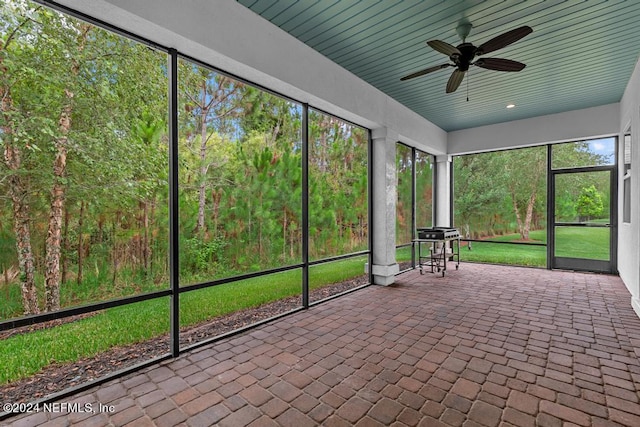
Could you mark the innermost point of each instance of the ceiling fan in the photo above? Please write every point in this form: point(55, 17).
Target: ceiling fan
point(464, 54)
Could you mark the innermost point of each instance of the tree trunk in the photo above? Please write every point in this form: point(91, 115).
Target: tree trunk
point(52, 257)
point(516, 210)
point(203, 159)
point(101, 221)
point(80, 243)
point(151, 238)
point(145, 236)
point(67, 248)
point(114, 251)
point(284, 233)
point(324, 126)
point(529, 216)
point(58, 190)
point(19, 194)
point(216, 198)
point(19, 197)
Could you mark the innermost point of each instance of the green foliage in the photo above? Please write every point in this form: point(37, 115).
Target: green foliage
point(199, 255)
point(240, 164)
point(423, 191)
point(479, 193)
point(572, 187)
point(575, 154)
point(404, 175)
point(589, 204)
point(9, 299)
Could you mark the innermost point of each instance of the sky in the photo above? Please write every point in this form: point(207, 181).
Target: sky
point(605, 147)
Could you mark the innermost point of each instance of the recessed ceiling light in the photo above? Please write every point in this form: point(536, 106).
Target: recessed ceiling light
point(511, 105)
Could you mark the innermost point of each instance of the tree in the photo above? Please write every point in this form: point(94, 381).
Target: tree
point(58, 189)
point(424, 189)
point(15, 140)
point(526, 171)
point(210, 101)
point(589, 204)
point(405, 188)
point(68, 92)
point(478, 189)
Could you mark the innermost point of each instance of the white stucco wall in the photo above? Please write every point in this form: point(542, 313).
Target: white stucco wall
point(230, 37)
point(629, 234)
point(569, 126)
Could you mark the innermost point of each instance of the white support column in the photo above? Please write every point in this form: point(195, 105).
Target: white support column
point(443, 191)
point(384, 179)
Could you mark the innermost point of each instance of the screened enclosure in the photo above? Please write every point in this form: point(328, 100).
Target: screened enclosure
point(502, 204)
point(156, 203)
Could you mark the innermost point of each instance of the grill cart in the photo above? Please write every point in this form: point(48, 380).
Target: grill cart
point(440, 244)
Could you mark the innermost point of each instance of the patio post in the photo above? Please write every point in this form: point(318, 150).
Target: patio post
point(443, 195)
point(384, 181)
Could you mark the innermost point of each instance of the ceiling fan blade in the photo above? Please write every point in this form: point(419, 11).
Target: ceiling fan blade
point(499, 64)
point(426, 71)
point(503, 40)
point(455, 80)
point(443, 47)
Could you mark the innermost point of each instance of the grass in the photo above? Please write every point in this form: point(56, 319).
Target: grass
point(24, 355)
point(583, 242)
point(500, 253)
point(93, 288)
point(497, 253)
point(571, 242)
point(403, 254)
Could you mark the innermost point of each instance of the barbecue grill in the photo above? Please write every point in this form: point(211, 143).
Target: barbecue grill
point(436, 239)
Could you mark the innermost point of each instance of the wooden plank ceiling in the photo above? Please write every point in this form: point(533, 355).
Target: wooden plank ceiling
point(581, 53)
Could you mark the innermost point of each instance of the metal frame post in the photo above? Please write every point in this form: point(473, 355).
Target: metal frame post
point(370, 202)
point(550, 209)
point(174, 268)
point(414, 156)
point(305, 205)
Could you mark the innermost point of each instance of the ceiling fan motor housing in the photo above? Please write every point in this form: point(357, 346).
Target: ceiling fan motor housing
point(467, 53)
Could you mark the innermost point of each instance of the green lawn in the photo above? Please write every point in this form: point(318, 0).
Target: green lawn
point(500, 253)
point(583, 242)
point(497, 253)
point(403, 254)
point(24, 355)
point(571, 242)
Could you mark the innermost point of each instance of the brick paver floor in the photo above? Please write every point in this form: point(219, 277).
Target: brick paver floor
point(483, 346)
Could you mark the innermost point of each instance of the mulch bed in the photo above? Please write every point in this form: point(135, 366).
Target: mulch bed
point(404, 265)
point(58, 377)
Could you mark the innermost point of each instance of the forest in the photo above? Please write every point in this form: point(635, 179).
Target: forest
point(505, 192)
point(84, 174)
point(422, 185)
